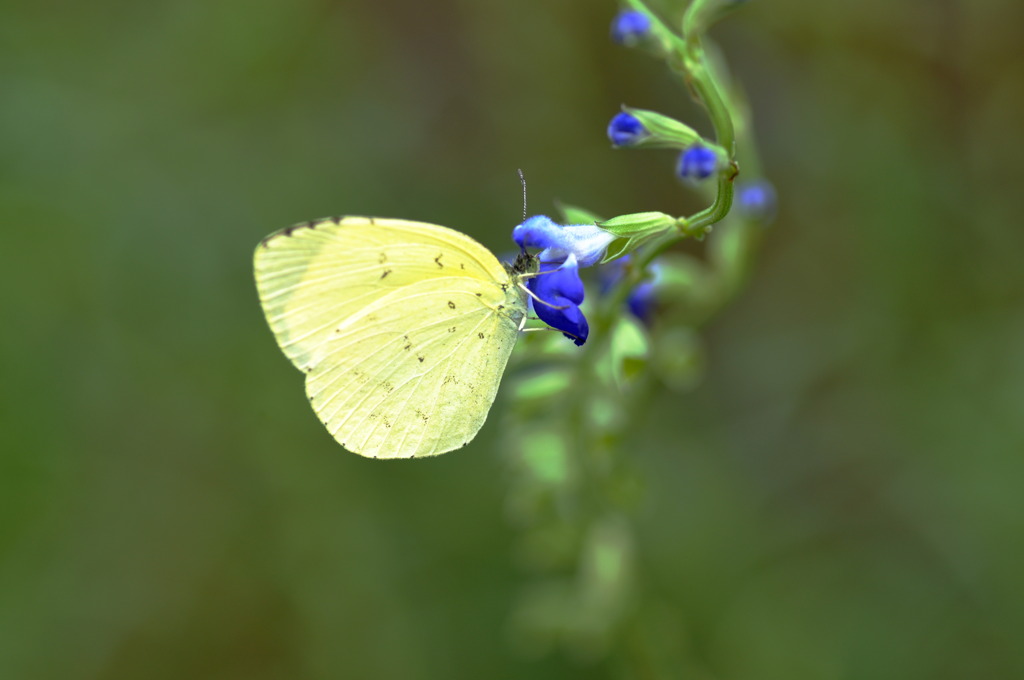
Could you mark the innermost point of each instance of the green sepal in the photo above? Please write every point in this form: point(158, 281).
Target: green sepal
point(663, 132)
point(634, 230)
point(572, 214)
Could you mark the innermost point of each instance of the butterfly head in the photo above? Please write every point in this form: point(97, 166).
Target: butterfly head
point(525, 263)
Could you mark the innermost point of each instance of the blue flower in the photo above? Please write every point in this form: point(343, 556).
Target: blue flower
point(756, 200)
point(626, 130)
point(586, 242)
point(557, 285)
point(630, 27)
point(560, 287)
point(697, 163)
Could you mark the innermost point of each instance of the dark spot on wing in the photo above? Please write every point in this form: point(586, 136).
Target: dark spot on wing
point(480, 335)
point(407, 348)
point(452, 329)
point(437, 260)
point(501, 306)
point(504, 286)
point(371, 220)
point(451, 305)
point(386, 272)
point(462, 266)
point(421, 359)
point(312, 224)
point(383, 258)
point(479, 294)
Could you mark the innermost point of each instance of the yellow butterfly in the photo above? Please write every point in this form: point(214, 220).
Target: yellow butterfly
point(403, 329)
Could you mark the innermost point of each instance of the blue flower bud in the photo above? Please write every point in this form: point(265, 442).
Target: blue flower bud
point(755, 200)
point(586, 242)
point(626, 130)
point(642, 301)
point(559, 285)
point(630, 27)
point(697, 163)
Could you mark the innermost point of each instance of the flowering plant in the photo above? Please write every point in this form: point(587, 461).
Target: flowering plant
point(572, 418)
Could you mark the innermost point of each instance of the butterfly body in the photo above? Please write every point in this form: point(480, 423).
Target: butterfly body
point(402, 328)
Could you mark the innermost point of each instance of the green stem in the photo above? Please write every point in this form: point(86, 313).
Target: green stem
point(699, 78)
point(701, 223)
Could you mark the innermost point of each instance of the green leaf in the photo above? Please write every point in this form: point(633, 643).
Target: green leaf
point(541, 385)
point(630, 347)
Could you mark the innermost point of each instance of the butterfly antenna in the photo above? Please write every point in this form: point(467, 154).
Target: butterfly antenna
point(522, 178)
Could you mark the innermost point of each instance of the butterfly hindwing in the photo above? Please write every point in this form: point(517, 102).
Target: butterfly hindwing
point(394, 384)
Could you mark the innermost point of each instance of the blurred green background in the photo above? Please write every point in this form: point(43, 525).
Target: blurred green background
point(840, 498)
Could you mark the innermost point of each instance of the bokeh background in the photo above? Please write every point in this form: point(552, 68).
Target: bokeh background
point(839, 498)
